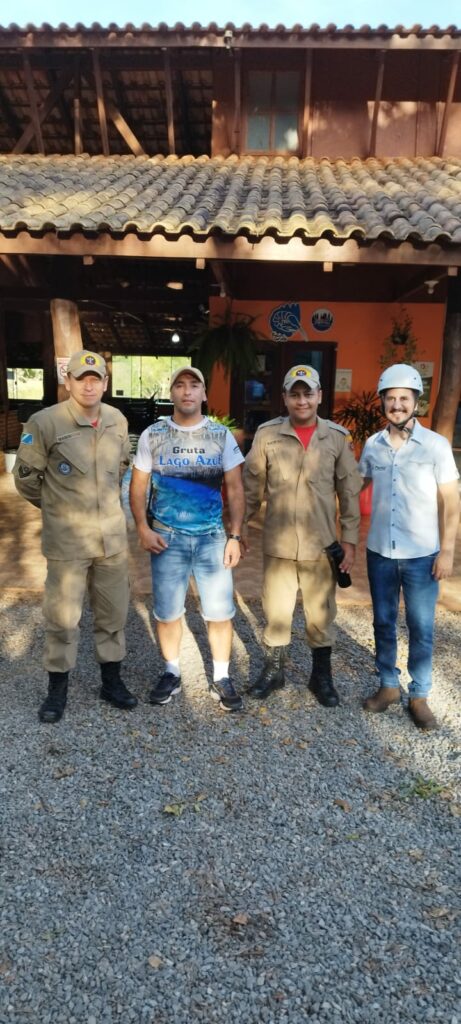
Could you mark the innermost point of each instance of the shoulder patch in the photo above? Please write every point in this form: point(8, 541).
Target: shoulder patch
point(27, 438)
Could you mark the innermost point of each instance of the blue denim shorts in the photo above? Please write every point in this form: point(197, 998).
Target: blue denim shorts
point(200, 556)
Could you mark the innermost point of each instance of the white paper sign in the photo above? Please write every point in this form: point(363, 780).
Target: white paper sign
point(343, 380)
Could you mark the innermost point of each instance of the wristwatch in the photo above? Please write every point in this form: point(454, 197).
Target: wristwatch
point(234, 536)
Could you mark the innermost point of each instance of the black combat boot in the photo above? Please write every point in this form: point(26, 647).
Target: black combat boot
point(53, 706)
point(113, 688)
point(272, 676)
point(321, 682)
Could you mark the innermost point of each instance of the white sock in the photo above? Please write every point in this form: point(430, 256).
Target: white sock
point(173, 667)
point(220, 670)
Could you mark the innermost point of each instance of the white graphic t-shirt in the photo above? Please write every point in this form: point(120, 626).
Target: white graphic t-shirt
point(187, 466)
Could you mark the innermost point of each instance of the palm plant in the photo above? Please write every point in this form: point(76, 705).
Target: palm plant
point(362, 415)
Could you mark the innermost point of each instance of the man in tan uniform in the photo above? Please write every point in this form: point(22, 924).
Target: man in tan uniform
point(69, 465)
point(303, 463)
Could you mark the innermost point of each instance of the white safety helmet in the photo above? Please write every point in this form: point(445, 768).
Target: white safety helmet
point(400, 375)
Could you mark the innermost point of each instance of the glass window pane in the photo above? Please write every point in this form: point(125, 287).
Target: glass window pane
point(258, 132)
point(286, 90)
point(259, 91)
point(286, 132)
point(26, 383)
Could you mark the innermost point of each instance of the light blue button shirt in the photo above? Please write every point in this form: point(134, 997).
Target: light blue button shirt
point(404, 518)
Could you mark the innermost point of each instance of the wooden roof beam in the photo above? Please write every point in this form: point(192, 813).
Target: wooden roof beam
point(264, 250)
point(42, 112)
point(376, 105)
point(150, 39)
point(169, 102)
point(101, 103)
point(448, 103)
point(32, 96)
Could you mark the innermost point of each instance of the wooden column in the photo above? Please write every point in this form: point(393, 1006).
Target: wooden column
point(67, 337)
point(446, 406)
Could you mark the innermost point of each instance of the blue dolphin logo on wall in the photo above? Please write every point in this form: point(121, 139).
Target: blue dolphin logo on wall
point(284, 321)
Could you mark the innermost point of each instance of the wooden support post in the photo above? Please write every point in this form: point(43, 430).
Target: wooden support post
point(32, 95)
point(446, 406)
point(169, 101)
point(102, 115)
point(78, 143)
point(376, 105)
point(237, 142)
point(67, 337)
point(448, 102)
point(306, 139)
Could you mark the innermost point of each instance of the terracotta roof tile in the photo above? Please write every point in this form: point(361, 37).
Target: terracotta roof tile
point(397, 199)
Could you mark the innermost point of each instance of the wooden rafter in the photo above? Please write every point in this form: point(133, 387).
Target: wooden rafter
point(377, 102)
point(306, 139)
point(169, 102)
point(448, 103)
point(42, 112)
point(124, 129)
point(32, 96)
point(101, 103)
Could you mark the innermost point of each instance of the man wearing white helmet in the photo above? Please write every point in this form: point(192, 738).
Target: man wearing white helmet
point(411, 542)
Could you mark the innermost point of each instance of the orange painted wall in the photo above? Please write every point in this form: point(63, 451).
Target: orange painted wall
point(359, 329)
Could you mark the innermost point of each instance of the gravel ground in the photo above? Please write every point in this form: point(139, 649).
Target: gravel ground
point(176, 865)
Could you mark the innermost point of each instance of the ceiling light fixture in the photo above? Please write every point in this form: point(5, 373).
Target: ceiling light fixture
point(177, 286)
point(176, 338)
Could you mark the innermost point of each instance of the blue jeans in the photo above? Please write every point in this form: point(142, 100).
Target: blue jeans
point(200, 556)
point(414, 577)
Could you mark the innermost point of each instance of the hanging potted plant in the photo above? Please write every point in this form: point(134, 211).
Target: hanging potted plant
point(229, 342)
point(363, 417)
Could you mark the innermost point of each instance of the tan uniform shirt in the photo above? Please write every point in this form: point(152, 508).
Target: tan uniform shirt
point(71, 470)
point(301, 487)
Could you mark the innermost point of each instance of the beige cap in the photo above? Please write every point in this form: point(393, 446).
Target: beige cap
point(187, 369)
point(86, 362)
point(301, 374)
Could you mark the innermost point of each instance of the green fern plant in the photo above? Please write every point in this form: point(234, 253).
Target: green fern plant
point(228, 341)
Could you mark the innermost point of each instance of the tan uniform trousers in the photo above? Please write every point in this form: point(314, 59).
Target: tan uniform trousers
point(65, 587)
point(282, 579)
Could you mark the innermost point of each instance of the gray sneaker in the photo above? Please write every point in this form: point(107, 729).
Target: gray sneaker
point(166, 688)
point(224, 691)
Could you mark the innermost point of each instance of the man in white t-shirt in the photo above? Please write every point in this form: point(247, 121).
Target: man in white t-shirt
point(184, 459)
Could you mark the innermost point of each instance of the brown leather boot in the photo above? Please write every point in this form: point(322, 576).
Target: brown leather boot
point(382, 699)
point(421, 714)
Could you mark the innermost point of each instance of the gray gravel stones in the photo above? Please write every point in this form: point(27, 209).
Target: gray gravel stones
point(307, 867)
